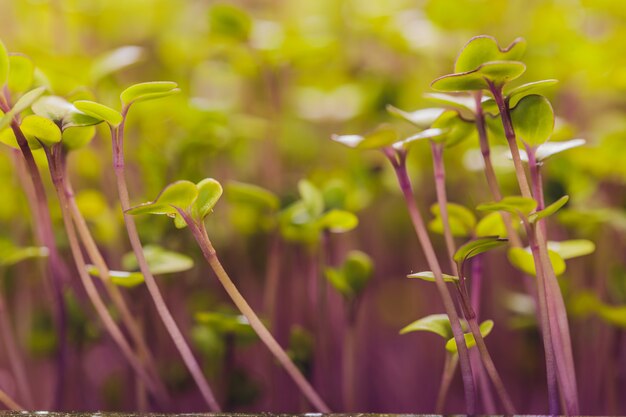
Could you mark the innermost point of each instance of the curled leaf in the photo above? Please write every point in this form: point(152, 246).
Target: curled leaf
point(430, 276)
point(495, 72)
point(549, 210)
point(511, 204)
point(39, 130)
point(148, 91)
point(484, 48)
point(573, 248)
point(99, 111)
point(435, 323)
point(179, 194)
point(423, 118)
point(523, 260)
point(209, 192)
point(485, 329)
point(478, 246)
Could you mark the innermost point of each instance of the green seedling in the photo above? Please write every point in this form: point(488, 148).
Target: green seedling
point(189, 204)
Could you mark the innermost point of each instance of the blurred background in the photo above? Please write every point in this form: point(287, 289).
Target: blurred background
point(264, 85)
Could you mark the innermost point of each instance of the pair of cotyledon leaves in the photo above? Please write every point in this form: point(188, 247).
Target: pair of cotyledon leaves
point(351, 278)
point(196, 200)
point(54, 116)
point(436, 124)
point(440, 325)
point(482, 63)
point(307, 217)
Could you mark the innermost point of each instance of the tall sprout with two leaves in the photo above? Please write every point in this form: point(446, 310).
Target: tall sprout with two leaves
point(189, 204)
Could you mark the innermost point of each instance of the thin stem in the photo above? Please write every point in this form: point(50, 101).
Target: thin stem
point(9, 402)
point(449, 367)
point(555, 306)
point(13, 354)
point(55, 266)
point(202, 238)
point(133, 235)
point(89, 286)
point(490, 173)
point(431, 258)
point(349, 359)
point(490, 367)
point(272, 275)
point(475, 303)
point(442, 201)
point(511, 139)
point(114, 292)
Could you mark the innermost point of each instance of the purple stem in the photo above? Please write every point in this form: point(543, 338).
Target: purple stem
point(55, 266)
point(164, 314)
point(399, 165)
point(553, 305)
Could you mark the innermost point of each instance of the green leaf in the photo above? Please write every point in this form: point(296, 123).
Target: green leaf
point(179, 194)
point(148, 91)
point(232, 324)
point(478, 246)
point(483, 48)
point(338, 280)
point(435, 323)
point(249, 194)
point(497, 72)
point(421, 118)
point(209, 192)
point(455, 128)
point(574, 248)
point(464, 103)
point(312, 198)
point(516, 94)
point(379, 138)
point(4, 64)
point(358, 269)
point(78, 137)
point(457, 228)
point(119, 278)
point(462, 220)
point(52, 107)
point(546, 150)
point(523, 260)
point(533, 119)
point(430, 276)
point(430, 134)
point(230, 21)
point(511, 204)
point(491, 225)
point(8, 137)
point(22, 72)
point(27, 100)
point(160, 260)
point(485, 328)
point(352, 277)
point(114, 61)
point(338, 221)
point(615, 315)
point(99, 111)
point(549, 210)
point(38, 130)
point(11, 254)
